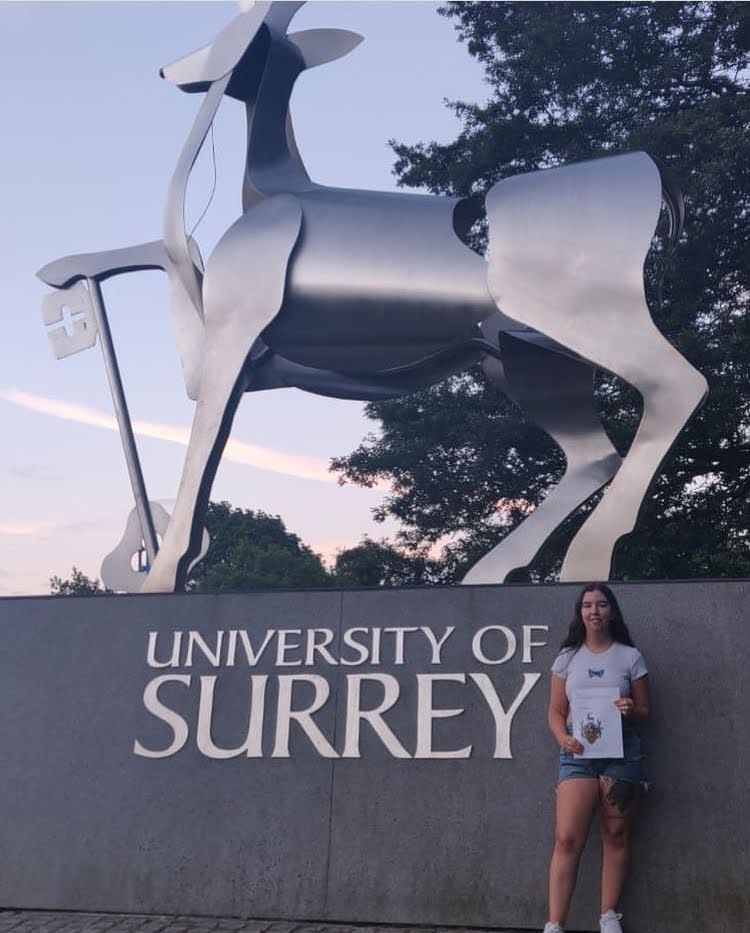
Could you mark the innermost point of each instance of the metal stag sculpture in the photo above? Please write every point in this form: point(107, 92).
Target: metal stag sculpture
point(372, 295)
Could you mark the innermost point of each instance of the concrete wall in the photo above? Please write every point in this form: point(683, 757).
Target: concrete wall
point(86, 823)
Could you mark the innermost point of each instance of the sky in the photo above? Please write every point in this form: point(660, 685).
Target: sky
point(90, 136)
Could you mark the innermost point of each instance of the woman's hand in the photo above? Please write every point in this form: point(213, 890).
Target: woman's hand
point(571, 746)
point(638, 705)
point(557, 717)
point(625, 706)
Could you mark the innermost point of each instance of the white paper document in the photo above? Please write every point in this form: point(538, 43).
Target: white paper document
point(597, 722)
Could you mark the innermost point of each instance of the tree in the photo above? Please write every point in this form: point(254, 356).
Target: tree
point(572, 81)
point(251, 550)
point(373, 563)
point(78, 585)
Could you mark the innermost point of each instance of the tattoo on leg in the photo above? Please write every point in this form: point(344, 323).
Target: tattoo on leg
point(622, 794)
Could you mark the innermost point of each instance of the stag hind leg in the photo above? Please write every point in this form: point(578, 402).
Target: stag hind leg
point(672, 390)
point(556, 392)
point(243, 291)
point(567, 248)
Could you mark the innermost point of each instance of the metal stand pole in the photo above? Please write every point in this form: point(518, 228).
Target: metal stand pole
point(123, 420)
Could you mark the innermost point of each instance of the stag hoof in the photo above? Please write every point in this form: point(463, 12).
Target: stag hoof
point(162, 577)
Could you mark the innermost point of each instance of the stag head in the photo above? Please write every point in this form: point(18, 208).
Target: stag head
point(240, 49)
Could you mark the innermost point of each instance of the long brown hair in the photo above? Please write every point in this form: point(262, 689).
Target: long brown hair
point(617, 629)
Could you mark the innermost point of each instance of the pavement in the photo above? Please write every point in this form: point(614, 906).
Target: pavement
point(50, 921)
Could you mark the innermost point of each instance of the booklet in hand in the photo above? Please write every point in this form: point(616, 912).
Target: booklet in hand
point(597, 722)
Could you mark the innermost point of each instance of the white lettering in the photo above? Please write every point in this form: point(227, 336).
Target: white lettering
point(503, 719)
point(282, 646)
point(476, 644)
point(528, 644)
point(285, 714)
point(399, 647)
point(252, 744)
point(313, 646)
point(195, 639)
point(426, 713)
point(436, 644)
point(375, 646)
point(355, 714)
point(361, 649)
point(173, 720)
point(251, 655)
point(174, 660)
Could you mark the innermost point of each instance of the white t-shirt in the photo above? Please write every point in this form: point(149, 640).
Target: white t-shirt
point(618, 666)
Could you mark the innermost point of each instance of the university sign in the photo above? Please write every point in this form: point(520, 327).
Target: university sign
point(352, 756)
point(276, 699)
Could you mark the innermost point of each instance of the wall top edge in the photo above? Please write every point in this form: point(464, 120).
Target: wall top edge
point(506, 587)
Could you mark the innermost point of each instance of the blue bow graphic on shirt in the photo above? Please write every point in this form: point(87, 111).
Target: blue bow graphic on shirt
point(596, 673)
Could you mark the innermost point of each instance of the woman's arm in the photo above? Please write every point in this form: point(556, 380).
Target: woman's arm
point(557, 716)
point(636, 707)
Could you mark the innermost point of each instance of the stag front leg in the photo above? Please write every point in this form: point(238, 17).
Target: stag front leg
point(243, 292)
point(556, 392)
point(210, 431)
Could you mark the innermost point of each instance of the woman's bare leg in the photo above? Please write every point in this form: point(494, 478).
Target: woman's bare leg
point(576, 801)
point(619, 800)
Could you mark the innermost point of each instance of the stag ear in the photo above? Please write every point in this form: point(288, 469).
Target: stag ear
point(319, 46)
point(195, 72)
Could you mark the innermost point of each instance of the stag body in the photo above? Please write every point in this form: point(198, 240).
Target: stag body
point(371, 295)
point(386, 301)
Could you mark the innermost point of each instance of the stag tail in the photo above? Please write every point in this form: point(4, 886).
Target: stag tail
point(673, 199)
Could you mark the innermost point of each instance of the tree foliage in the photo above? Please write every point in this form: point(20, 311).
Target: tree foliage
point(78, 584)
point(567, 82)
point(251, 550)
point(378, 563)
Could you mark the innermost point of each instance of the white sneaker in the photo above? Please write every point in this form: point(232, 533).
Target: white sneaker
point(610, 922)
point(552, 928)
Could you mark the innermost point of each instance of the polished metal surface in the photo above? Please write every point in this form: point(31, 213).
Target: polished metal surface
point(127, 437)
point(556, 392)
point(176, 245)
point(234, 316)
point(378, 282)
point(567, 248)
point(370, 295)
point(118, 571)
point(87, 321)
point(188, 324)
point(76, 333)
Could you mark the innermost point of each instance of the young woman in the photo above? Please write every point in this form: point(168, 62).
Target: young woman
point(597, 651)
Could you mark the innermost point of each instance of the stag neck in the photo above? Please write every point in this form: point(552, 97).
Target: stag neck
point(273, 162)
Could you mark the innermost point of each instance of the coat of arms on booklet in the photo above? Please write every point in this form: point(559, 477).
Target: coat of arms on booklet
point(597, 723)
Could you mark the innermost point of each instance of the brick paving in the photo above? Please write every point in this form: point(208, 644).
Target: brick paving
point(50, 921)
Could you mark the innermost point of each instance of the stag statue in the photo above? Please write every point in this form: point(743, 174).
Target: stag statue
point(372, 295)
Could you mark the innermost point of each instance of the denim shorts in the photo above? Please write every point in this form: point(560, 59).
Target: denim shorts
point(628, 768)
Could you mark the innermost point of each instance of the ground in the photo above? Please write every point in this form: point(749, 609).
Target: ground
point(46, 921)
